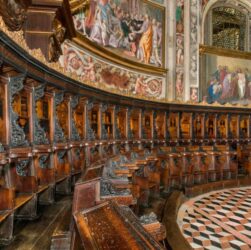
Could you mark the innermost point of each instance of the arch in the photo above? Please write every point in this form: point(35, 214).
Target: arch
point(230, 3)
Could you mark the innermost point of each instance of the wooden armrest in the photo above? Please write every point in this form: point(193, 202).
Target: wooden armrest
point(4, 215)
point(6, 198)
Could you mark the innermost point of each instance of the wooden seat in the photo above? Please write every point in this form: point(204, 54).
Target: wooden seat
point(186, 165)
point(228, 160)
point(200, 174)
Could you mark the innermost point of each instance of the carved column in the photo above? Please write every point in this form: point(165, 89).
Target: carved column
point(90, 136)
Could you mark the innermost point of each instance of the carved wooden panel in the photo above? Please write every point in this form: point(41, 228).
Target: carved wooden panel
point(173, 125)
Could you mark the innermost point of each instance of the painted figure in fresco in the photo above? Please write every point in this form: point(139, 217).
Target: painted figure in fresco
point(241, 84)
point(79, 22)
point(157, 39)
point(95, 33)
point(226, 87)
point(214, 90)
point(145, 43)
point(73, 62)
point(179, 84)
point(113, 24)
point(180, 51)
point(90, 18)
point(194, 95)
point(89, 70)
point(140, 86)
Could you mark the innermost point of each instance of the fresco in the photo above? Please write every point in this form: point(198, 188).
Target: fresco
point(227, 79)
point(132, 29)
point(179, 85)
point(194, 94)
point(100, 74)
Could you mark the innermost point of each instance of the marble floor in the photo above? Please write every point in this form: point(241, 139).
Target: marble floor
point(218, 220)
point(36, 235)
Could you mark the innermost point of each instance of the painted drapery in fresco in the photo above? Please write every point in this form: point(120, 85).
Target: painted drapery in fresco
point(226, 79)
point(133, 29)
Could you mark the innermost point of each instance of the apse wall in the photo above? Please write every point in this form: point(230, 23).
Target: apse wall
point(153, 50)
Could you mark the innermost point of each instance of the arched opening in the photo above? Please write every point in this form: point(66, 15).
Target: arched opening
point(227, 25)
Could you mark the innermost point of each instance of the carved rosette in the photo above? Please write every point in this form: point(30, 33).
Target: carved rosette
point(74, 132)
point(17, 135)
point(22, 167)
point(90, 135)
point(13, 13)
point(39, 133)
point(58, 133)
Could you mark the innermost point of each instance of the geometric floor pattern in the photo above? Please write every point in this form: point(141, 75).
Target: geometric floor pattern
point(218, 220)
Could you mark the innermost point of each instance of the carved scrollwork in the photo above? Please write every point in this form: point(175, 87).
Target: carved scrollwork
point(77, 154)
point(74, 101)
point(104, 134)
point(17, 137)
point(103, 107)
point(59, 133)
point(44, 161)
point(61, 155)
point(90, 133)
point(38, 92)
point(89, 105)
point(13, 13)
point(39, 133)
point(15, 85)
point(22, 167)
point(107, 189)
point(59, 98)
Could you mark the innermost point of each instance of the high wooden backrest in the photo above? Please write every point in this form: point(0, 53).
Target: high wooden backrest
point(86, 194)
